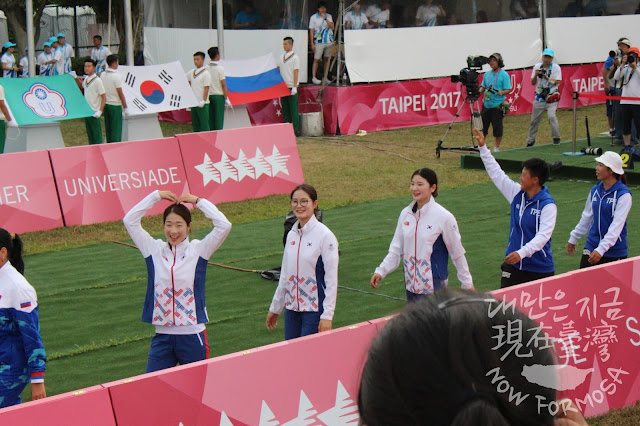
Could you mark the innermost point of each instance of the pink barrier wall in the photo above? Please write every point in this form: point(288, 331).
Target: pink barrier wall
point(592, 312)
point(100, 183)
point(28, 199)
point(234, 165)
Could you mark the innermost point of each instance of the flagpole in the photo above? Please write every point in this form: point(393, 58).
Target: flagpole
point(128, 31)
point(30, 42)
point(220, 27)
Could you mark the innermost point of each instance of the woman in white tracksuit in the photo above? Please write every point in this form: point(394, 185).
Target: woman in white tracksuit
point(426, 235)
point(308, 283)
point(176, 268)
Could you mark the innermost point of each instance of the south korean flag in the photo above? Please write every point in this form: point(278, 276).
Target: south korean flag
point(156, 88)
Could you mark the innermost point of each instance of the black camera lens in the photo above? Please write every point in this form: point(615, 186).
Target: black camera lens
point(612, 54)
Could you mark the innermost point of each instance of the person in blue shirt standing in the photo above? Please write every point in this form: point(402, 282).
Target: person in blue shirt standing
point(495, 86)
point(533, 218)
point(604, 218)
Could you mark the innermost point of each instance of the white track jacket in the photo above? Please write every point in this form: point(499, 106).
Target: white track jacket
point(176, 275)
point(309, 274)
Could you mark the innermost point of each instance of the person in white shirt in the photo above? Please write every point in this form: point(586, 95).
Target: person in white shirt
point(200, 80)
point(426, 235)
point(96, 98)
point(116, 101)
point(546, 76)
point(379, 15)
point(67, 53)
point(24, 64)
point(218, 98)
point(289, 66)
point(9, 68)
point(99, 53)
point(428, 13)
point(629, 76)
point(58, 56)
point(356, 19)
point(321, 38)
point(5, 120)
point(45, 60)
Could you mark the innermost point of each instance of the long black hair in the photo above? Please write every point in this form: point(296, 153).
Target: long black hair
point(13, 244)
point(438, 363)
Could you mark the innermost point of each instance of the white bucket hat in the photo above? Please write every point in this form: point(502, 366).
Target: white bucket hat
point(613, 161)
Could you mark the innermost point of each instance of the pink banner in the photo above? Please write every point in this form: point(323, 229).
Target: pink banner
point(79, 408)
point(100, 183)
point(313, 380)
point(28, 199)
point(234, 165)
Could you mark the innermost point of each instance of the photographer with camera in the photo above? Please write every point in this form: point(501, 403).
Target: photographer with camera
point(547, 76)
point(616, 90)
point(495, 86)
point(629, 78)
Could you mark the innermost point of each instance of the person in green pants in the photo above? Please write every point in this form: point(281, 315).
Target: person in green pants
point(218, 99)
point(96, 98)
point(112, 82)
point(5, 120)
point(289, 66)
point(200, 80)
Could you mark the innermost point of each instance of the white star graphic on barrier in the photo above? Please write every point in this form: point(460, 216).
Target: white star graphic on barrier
point(260, 165)
point(275, 102)
point(243, 167)
point(209, 172)
point(278, 162)
point(278, 113)
point(226, 169)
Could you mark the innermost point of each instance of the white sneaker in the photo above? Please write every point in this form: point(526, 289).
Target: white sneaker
point(496, 149)
point(316, 81)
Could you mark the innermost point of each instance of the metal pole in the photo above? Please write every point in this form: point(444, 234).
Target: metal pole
point(340, 27)
point(210, 14)
point(220, 28)
point(542, 8)
point(75, 31)
point(31, 54)
point(109, 28)
point(575, 119)
point(128, 31)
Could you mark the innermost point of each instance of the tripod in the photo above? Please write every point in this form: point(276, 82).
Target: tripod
point(476, 121)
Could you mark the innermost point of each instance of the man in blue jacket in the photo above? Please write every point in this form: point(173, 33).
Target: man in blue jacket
point(533, 218)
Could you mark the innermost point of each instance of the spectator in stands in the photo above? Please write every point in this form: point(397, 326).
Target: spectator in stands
point(5, 120)
point(99, 53)
point(623, 45)
point(573, 9)
point(311, 251)
point(67, 53)
point(595, 8)
point(9, 67)
point(428, 13)
point(176, 270)
point(289, 66)
point(356, 19)
point(116, 103)
point(379, 15)
point(96, 98)
point(517, 10)
point(24, 64)
point(21, 349)
point(482, 17)
point(248, 18)
point(452, 333)
point(604, 218)
point(629, 77)
point(546, 76)
point(533, 218)
point(495, 86)
point(218, 98)
point(532, 9)
point(321, 38)
point(45, 60)
point(200, 81)
point(426, 235)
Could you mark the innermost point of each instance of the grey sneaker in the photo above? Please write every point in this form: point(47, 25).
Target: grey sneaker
point(532, 143)
point(556, 141)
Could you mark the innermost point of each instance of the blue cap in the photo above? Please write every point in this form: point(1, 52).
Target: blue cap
point(548, 52)
point(47, 44)
point(8, 45)
point(61, 35)
point(53, 39)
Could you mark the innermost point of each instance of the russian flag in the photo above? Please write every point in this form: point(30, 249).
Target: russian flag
point(253, 80)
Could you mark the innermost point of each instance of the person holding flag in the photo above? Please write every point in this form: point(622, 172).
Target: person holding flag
point(112, 82)
point(289, 66)
point(218, 98)
point(45, 60)
point(9, 68)
point(96, 98)
point(200, 80)
point(5, 120)
point(99, 53)
point(67, 54)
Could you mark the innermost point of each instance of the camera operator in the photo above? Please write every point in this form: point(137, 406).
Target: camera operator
point(495, 85)
point(623, 47)
point(629, 76)
point(547, 76)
